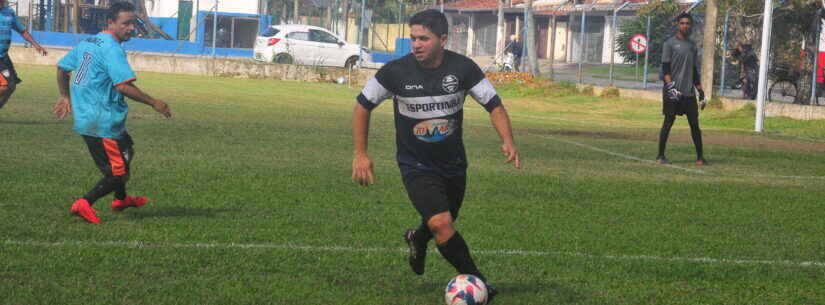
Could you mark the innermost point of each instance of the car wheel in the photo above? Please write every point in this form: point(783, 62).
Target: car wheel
point(284, 59)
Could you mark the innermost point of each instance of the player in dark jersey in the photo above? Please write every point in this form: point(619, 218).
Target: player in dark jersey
point(680, 60)
point(428, 88)
point(8, 75)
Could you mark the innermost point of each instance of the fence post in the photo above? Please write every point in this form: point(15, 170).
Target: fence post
point(613, 41)
point(724, 54)
point(214, 28)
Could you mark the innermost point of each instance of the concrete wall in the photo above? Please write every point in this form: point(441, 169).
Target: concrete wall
point(219, 67)
point(797, 112)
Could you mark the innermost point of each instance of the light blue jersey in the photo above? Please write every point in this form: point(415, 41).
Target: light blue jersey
point(99, 64)
point(8, 22)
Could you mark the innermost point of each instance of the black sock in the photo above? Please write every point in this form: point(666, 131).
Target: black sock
point(456, 252)
point(105, 186)
point(664, 133)
point(422, 235)
point(696, 135)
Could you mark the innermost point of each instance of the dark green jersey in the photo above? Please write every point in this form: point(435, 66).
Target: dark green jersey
point(683, 58)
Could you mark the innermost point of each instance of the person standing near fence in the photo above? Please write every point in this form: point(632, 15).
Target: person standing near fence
point(8, 75)
point(515, 47)
point(682, 81)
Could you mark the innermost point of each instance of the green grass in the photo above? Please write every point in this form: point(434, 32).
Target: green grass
point(252, 203)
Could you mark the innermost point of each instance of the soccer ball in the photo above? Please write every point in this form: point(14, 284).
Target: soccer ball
point(465, 289)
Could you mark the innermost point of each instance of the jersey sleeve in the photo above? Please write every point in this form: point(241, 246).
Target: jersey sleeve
point(481, 89)
point(666, 52)
point(377, 89)
point(17, 25)
point(117, 66)
point(69, 61)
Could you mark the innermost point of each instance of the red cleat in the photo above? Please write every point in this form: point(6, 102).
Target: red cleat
point(82, 208)
point(129, 202)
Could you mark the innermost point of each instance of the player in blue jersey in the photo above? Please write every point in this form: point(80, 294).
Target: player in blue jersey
point(102, 77)
point(8, 76)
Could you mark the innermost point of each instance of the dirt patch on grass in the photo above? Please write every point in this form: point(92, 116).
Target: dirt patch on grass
point(733, 141)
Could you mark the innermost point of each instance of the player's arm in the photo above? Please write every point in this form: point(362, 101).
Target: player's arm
point(133, 92)
point(63, 107)
point(371, 96)
point(362, 172)
point(485, 94)
point(28, 37)
point(501, 122)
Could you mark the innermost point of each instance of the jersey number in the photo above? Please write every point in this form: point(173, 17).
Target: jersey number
point(84, 68)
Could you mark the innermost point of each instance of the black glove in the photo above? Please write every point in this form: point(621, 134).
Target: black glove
point(702, 102)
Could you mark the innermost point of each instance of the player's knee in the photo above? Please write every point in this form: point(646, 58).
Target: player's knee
point(441, 223)
point(5, 89)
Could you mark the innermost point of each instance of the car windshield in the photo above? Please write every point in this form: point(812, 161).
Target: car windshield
point(269, 32)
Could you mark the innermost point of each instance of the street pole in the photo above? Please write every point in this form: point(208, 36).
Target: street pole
point(767, 24)
point(647, 52)
point(815, 59)
point(581, 45)
point(613, 40)
point(724, 54)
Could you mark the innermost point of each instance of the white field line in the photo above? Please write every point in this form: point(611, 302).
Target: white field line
point(138, 244)
point(620, 155)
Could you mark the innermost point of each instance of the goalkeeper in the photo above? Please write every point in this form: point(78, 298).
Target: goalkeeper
point(682, 83)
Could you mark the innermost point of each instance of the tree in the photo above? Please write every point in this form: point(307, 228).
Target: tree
point(662, 27)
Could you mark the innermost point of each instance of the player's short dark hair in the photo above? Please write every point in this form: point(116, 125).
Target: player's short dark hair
point(433, 20)
point(118, 7)
point(683, 16)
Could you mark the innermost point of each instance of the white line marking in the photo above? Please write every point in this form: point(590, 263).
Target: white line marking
point(625, 156)
point(139, 244)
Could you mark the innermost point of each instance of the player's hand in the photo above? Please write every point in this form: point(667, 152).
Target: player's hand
point(62, 108)
point(162, 108)
point(42, 51)
point(511, 152)
point(671, 91)
point(362, 170)
point(702, 102)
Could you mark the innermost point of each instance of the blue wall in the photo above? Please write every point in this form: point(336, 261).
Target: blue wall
point(169, 25)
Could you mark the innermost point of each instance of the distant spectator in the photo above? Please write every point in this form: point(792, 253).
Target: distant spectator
point(515, 46)
point(748, 67)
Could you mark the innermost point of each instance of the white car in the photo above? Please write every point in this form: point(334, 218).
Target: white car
point(307, 45)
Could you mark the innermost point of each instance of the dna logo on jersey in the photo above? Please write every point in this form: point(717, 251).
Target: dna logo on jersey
point(435, 130)
point(449, 83)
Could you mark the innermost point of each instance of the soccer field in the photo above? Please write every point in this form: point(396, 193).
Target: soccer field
point(252, 203)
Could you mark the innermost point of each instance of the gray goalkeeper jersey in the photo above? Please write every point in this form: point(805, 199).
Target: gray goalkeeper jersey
point(682, 56)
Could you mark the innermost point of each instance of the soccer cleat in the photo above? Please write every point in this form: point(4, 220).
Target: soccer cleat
point(82, 208)
point(418, 255)
point(491, 293)
point(702, 162)
point(129, 202)
point(662, 161)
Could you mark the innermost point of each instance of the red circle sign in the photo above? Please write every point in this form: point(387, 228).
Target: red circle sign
point(638, 43)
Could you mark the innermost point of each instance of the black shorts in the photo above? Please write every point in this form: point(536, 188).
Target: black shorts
point(7, 73)
point(433, 194)
point(111, 156)
point(684, 105)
